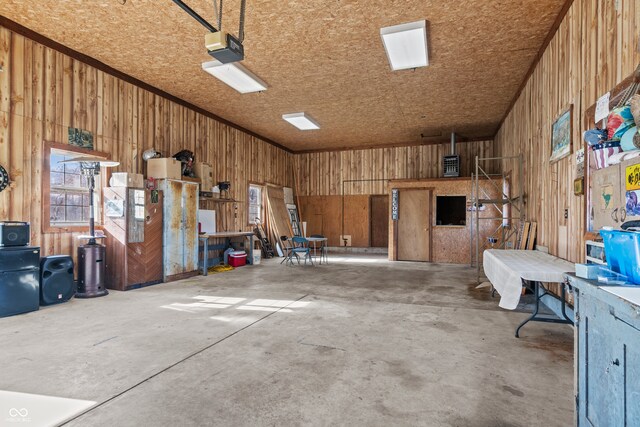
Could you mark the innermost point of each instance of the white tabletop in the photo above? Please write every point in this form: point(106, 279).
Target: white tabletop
point(506, 269)
point(226, 234)
point(316, 239)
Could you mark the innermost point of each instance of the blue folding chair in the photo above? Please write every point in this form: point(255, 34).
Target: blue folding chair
point(301, 247)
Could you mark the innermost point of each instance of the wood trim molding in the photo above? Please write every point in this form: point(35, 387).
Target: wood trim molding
point(397, 145)
point(47, 146)
point(45, 41)
point(536, 60)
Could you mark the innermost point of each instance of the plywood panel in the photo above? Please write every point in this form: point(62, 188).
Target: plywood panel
point(324, 215)
point(414, 225)
point(379, 221)
point(43, 91)
point(480, 56)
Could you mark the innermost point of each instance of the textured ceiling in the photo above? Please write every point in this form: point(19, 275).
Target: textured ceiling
point(324, 57)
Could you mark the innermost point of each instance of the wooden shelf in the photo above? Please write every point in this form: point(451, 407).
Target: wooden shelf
point(221, 200)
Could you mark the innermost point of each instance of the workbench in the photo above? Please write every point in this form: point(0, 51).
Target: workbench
point(607, 353)
point(205, 261)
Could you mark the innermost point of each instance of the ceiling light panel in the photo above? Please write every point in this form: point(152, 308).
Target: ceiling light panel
point(302, 121)
point(235, 75)
point(406, 45)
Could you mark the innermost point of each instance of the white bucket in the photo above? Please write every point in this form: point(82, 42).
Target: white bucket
point(256, 257)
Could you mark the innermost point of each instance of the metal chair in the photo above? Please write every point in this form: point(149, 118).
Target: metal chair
point(287, 250)
point(301, 247)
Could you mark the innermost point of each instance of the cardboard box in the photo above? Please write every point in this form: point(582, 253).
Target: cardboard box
point(204, 171)
point(126, 179)
point(165, 168)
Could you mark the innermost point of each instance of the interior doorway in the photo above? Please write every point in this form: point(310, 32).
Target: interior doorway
point(414, 224)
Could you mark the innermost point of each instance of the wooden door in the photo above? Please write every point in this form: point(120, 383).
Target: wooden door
point(379, 221)
point(153, 237)
point(414, 225)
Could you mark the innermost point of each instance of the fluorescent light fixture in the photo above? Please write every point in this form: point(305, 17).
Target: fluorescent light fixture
point(406, 45)
point(301, 121)
point(235, 75)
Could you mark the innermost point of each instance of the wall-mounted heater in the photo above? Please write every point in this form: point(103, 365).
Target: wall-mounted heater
point(451, 163)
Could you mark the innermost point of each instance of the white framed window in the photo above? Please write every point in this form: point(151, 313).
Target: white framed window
point(256, 206)
point(65, 189)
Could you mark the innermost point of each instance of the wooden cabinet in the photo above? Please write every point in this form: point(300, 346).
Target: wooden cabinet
point(133, 226)
point(607, 355)
point(180, 229)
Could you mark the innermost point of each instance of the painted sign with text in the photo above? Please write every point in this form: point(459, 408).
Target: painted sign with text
point(633, 177)
point(394, 204)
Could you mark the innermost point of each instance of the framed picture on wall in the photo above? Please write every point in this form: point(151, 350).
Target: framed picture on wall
point(561, 135)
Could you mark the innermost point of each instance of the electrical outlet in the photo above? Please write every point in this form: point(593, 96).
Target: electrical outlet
point(566, 214)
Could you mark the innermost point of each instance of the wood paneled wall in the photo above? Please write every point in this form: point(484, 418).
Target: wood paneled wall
point(43, 92)
point(595, 47)
point(322, 173)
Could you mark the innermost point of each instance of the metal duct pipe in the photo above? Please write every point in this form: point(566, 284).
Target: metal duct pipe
point(453, 143)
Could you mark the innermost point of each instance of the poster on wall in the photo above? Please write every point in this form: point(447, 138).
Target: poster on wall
point(632, 206)
point(632, 175)
point(561, 131)
point(602, 107)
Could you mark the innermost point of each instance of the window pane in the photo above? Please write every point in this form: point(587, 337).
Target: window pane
point(57, 199)
point(72, 168)
point(57, 179)
point(56, 214)
point(55, 166)
point(71, 180)
point(74, 199)
point(74, 213)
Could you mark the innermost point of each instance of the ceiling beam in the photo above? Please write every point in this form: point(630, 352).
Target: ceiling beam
point(433, 141)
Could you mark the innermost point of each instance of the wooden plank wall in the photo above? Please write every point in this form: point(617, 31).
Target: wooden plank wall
point(43, 92)
point(595, 47)
point(322, 173)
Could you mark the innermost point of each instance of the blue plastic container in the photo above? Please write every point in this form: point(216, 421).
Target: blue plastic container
point(623, 253)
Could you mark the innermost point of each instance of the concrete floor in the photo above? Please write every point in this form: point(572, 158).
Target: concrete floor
point(361, 341)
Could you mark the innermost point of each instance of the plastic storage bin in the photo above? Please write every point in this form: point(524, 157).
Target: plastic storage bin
point(237, 259)
point(623, 253)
